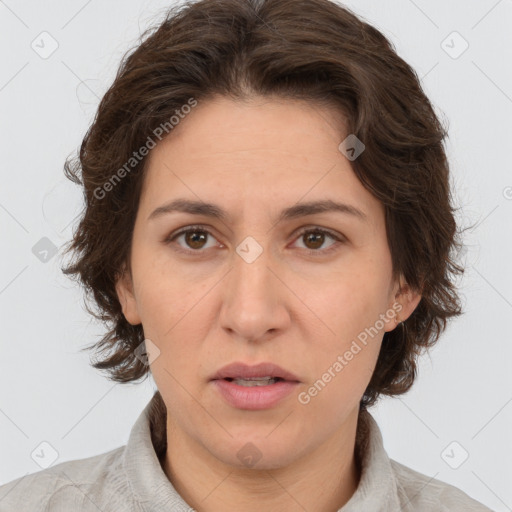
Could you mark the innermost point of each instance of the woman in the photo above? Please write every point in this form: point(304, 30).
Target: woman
point(268, 228)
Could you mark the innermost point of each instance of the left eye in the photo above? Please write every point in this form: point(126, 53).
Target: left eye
point(316, 237)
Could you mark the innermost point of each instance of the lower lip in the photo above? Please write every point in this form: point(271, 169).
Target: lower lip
point(254, 397)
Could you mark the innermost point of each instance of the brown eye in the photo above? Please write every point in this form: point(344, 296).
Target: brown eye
point(314, 239)
point(195, 239)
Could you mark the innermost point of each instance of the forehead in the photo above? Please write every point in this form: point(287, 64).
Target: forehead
point(260, 151)
point(221, 125)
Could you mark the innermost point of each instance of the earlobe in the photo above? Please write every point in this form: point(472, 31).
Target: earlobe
point(126, 297)
point(406, 299)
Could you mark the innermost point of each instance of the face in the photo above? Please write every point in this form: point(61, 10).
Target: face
point(256, 285)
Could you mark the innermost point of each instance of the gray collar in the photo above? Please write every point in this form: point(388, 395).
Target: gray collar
point(377, 490)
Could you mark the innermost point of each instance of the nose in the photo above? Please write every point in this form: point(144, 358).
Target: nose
point(255, 300)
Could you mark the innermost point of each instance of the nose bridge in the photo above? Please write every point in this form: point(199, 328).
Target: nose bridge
point(251, 274)
point(252, 301)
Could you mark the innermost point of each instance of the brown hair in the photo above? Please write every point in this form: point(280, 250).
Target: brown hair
point(314, 50)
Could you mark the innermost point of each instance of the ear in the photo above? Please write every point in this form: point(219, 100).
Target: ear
point(126, 296)
point(405, 301)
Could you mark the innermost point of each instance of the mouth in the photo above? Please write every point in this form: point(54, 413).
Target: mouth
point(257, 387)
point(261, 374)
point(255, 381)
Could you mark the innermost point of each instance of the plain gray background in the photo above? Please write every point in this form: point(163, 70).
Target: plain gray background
point(460, 405)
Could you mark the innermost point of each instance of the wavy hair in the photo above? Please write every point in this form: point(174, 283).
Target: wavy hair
point(312, 50)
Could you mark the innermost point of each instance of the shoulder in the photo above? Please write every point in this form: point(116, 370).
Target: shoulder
point(82, 484)
point(420, 492)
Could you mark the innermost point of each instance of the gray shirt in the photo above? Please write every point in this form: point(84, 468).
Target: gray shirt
point(131, 479)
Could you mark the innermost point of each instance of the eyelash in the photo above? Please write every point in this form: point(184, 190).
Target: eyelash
point(313, 252)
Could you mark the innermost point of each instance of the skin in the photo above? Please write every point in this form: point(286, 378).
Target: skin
point(296, 309)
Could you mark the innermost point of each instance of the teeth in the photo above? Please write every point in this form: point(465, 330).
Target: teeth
point(255, 381)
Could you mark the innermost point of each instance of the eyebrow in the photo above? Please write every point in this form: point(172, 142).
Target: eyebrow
point(298, 210)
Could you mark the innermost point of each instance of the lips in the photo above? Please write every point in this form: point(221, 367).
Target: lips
point(233, 383)
point(243, 371)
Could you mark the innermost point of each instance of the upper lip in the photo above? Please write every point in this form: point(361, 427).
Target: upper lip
point(244, 371)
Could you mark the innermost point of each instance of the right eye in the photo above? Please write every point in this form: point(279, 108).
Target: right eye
point(193, 239)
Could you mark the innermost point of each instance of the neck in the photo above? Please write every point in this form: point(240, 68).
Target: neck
point(323, 479)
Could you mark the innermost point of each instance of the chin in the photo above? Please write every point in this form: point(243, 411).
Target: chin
point(258, 453)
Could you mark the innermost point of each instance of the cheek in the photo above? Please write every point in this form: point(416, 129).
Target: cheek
point(341, 378)
point(350, 302)
point(176, 316)
point(345, 354)
point(163, 295)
